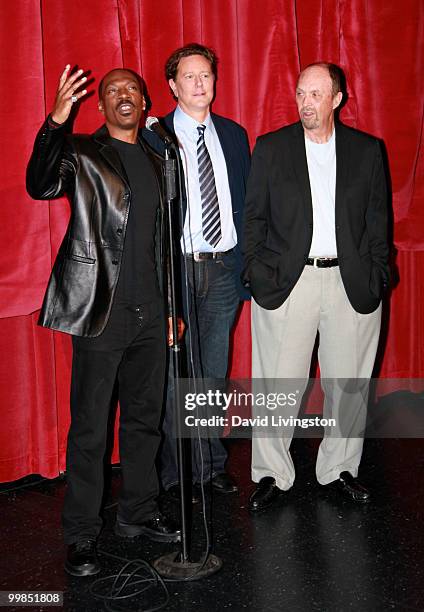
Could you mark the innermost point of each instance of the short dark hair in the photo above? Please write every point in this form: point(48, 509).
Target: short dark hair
point(171, 66)
point(133, 72)
point(335, 72)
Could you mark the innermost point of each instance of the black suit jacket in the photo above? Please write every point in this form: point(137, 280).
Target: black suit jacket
point(279, 219)
point(235, 146)
point(89, 171)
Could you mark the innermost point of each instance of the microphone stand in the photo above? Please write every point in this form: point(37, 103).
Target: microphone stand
point(179, 566)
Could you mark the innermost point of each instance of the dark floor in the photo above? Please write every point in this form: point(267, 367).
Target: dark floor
point(311, 553)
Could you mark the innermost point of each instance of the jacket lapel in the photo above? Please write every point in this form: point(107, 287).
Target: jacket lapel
point(169, 124)
point(229, 151)
point(300, 165)
point(342, 166)
point(109, 153)
point(226, 144)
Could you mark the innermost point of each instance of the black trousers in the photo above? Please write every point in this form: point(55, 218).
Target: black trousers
point(132, 352)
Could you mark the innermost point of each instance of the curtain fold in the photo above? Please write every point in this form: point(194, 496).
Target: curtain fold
point(261, 46)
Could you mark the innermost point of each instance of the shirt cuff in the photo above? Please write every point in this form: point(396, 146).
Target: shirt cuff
point(53, 124)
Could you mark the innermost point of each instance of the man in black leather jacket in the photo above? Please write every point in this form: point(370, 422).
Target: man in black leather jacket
point(106, 291)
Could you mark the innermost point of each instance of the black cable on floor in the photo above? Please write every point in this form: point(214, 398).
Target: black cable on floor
point(128, 585)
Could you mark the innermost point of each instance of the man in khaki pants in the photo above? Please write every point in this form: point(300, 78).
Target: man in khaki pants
point(316, 255)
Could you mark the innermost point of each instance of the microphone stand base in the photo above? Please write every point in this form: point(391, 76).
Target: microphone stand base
point(172, 566)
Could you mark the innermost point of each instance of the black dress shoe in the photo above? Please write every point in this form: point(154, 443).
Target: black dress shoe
point(349, 487)
point(81, 559)
point(158, 528)
point(174, 494)
point(224, 484)
point(265, 494)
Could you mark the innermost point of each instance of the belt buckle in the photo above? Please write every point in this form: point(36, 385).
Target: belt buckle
point(196, 256)
point(315, 262)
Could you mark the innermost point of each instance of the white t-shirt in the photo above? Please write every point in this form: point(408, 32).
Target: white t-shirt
point(321, 158)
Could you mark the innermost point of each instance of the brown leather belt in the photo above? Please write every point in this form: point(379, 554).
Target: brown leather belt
point(322, 262)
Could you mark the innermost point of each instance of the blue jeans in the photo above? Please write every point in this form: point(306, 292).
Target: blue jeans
point(213, 302)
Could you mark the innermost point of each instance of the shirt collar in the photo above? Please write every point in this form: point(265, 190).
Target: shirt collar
point(187, 124)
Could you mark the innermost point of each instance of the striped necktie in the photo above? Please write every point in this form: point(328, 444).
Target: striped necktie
point(211, 222)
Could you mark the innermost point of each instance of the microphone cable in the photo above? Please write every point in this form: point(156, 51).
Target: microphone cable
point(135, 578)
point(189, 346)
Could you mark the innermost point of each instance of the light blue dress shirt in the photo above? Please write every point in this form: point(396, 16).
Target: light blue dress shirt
point(192, 240)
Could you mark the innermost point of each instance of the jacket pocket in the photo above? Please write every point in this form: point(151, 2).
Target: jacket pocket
point(80, 259)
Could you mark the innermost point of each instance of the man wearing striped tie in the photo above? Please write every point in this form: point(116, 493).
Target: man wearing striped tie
point(215, 158)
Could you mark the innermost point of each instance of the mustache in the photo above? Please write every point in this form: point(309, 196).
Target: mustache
point(122, 102)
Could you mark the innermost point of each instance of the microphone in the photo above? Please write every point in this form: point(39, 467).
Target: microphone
point(152, 124)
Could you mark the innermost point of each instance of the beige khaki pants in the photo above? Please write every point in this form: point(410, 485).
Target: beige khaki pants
point(282, 345)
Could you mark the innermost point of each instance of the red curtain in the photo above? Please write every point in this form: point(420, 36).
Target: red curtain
point(262, 46)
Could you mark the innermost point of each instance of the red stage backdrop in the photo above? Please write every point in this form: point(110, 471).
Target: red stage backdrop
point(261, 46)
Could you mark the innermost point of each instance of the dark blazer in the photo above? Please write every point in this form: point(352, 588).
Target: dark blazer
point(235, 146)
point(279, 219)
point(88, 169)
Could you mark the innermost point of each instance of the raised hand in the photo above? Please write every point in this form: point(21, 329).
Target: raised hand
point(67, 94)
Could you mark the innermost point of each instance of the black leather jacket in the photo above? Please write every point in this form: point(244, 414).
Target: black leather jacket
point(88, 170)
